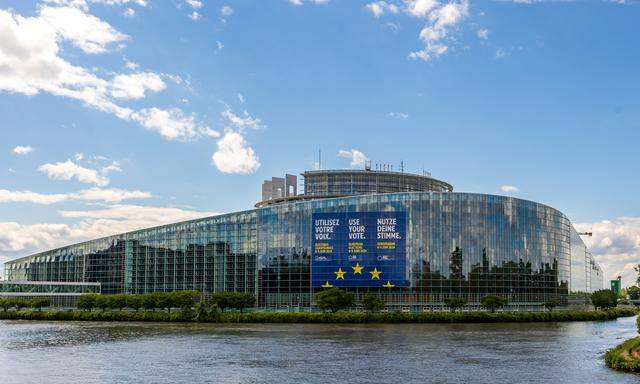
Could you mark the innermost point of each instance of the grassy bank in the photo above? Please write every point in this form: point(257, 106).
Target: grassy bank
point(626, 356)
point(303, 317)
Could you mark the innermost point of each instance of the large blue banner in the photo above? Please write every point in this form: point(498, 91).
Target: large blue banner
point(358, 249)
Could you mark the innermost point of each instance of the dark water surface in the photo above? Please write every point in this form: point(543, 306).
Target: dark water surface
point(79, 352)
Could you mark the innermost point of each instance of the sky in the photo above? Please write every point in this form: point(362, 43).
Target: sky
point(124, 114)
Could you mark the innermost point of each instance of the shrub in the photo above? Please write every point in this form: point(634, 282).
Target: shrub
point(87, 301)
point(334, 299)
point(634, 292)
point(551, 303)
point(5, 303)
point(604, 299)
point(372, 303)
point(134, 302)
point(184, 299)
point(233, 300)
point(149, 302)
point(101, 302)
point(39, 302)
point(493, 302)
point(623, 356)
point(117, 301)
point(455, 303)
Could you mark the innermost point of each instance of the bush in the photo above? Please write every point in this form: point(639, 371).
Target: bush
point(623, 357)
point(87, 301)
point(334, 299)
point(5, 303)
point(101, 302)
point(634, 292)
point(214, 315)
point(455, 303)
point(604, 299)
point(149, 302)
point(39, 302)
point(493, 302)
point(233, 300)
point(117, 301)
point(551, 303)
point(372, 303)
point(134, 302)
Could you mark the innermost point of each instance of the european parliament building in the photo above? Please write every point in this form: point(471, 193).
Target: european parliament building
point(407, 237)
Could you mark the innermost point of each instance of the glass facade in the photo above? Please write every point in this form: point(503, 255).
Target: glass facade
point(457, 244)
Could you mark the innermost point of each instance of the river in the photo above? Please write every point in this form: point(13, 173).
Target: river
point(88, 352)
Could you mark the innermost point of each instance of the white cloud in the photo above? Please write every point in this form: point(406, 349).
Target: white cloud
point(241, 122)
point(195, 16)
point(69, 170)
point(22, 149)
point(398, 115)
point(299, 2)
point(7, 196)
point(114, 219)
point(195, 4)
point(439, 21)
point(379, 8)
point(134, 86)
point(169, 123)
point(226, 11)
point(129, 12)
point(83, 30)
point(500, 53)
point(240, 98)
point(357, 158)
point(483, 33)
point(131, 65)
point(509, 189)
point(111, 195)
point(420, 8)
point(615, 245)
point(234, 155)
point(219, 45)
point(211, 133)
point(30, 62)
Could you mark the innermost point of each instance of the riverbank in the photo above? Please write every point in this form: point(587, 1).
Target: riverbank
point(319, 317)
point(626, 356)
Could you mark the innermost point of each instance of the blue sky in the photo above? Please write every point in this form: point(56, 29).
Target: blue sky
point(120, 114)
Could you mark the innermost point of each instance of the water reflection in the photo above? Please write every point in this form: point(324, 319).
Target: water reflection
point(68, 352)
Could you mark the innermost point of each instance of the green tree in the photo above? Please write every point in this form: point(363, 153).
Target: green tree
point(201, 311)
point(221, 299)
point(19, 303)
point(240, 301)
point(637, 269)
point(102, 302)
point(87, 301)
point(550, 304)
point(5, 303)
point(117, 301)
point(39, 302)
point(604, 299)
point(372, 303)
point(334, 299)
point(134, 302)
point(634, 292)
point(493, 302)
point(149, 302)
point(455, 303)
point(185, 299)
point(164, 300)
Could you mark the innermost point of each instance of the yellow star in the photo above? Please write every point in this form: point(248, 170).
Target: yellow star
point(357, 269)
point(340, 274)
point(388, 285)
point(375, 274)
point(327, 285)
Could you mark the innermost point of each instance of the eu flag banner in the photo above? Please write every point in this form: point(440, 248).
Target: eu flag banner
point(358, 249)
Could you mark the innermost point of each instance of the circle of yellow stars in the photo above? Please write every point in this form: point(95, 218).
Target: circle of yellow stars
point(357, 270)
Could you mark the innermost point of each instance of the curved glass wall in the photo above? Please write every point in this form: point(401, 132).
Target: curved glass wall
point(456, 244)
